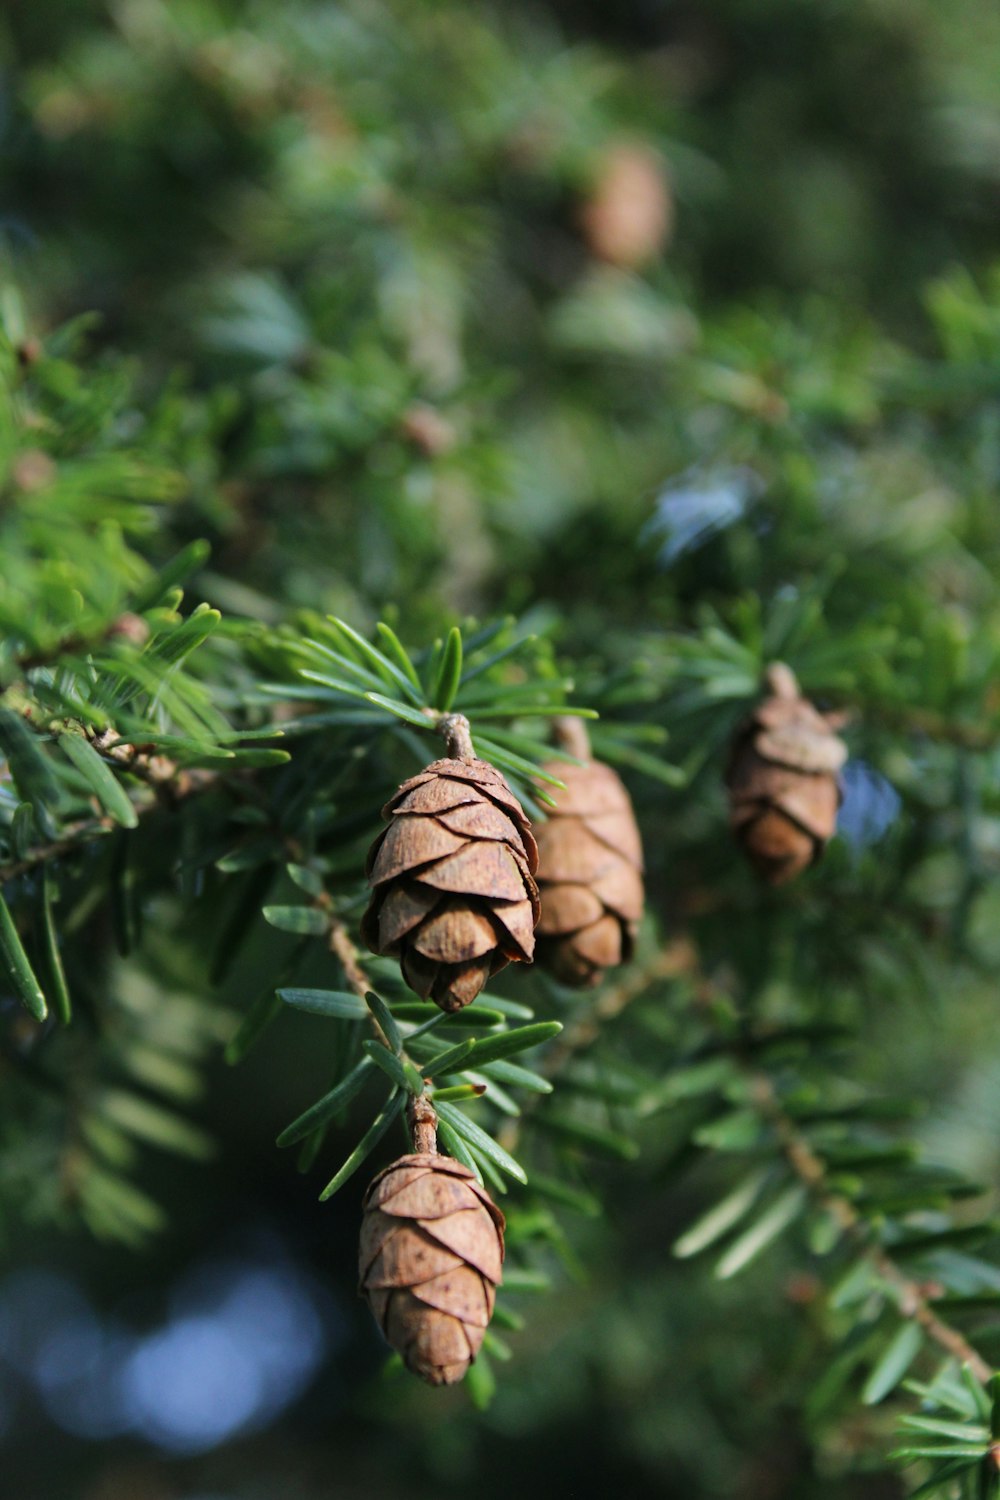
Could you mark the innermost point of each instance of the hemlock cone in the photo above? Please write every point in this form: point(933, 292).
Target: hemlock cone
point(454, 893)
point(430, 1262)
point(782, 780)
point(589, 868)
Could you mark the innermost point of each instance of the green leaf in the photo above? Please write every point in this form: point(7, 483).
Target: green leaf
point(893, 1364)
point(301, 919)
point(536, 711)
point(32, 774)
point(50, 951)
point(506, 760)
point(454, 1145)
point(953, 1450)
point(594, 1139)
point(318, 1114)
point(308, 880)
point(459, 1092)
point(481, 1382)
point(982, 1404)
point(449, 671)
point(399, 654)
point(339, 1003)
point(937, 1427)
point(510, 1008)
point(256, 1021)
point(522, 1279)
point(569, 1197)
point(159, 1127)
point(22, 829)
point(935, 1485)
point(783, 1212)
point(174, 645)
point(480, 1143)
point(738, 1130)
point(943, 1239)
point(401, 1073)
point(388, 670)
point(641, 760)
point(19, 970)
point(385, 1022)
point(418, 1011)
point(474, 1053)
point(177, 571)
point(376, 1130)
point(101, 780)
point(723, 1217)
point(688, 1083)
point(393, 706)
point(489, 662)
point(523, 1078)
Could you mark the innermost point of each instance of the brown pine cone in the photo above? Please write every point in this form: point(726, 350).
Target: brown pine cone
point(429, 1262)
point(628, 217)
point(782, 780)
point(589, 868)
point(454, 894)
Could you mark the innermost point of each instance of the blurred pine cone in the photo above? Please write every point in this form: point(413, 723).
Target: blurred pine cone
point(589, 868)
point(628, 217)
point(454, 894)
point(782, 780)
point(430, 1262)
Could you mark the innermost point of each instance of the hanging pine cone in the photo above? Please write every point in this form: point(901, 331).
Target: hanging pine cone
point(628, 217)
point(454, 895)
point(430, 1261)
point(589, 868)
point(782, 780)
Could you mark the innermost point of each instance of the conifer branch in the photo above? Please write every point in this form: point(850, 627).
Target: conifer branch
point(912, 1301)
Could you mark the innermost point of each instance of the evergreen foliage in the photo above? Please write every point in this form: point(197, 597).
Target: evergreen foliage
point(389, 442)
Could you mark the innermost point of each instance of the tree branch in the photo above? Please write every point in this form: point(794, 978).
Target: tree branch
point(911, 1298)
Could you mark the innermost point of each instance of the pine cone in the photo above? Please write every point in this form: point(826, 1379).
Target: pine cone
point(782, 780)
point(454, 894)
point(589, 868)
point(628, 218)
point(429, 1262)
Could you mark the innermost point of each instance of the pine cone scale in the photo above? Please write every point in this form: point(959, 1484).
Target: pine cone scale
point(455, 934)
point(568, 907)
point(403, 908)
point(479, 869)
point(406, 1256)
point(409, 844)
point(461, 1233)
point(621, 889)
point(425, 1197)
point(572, 853)
point(516, 922)
point(462, 1293)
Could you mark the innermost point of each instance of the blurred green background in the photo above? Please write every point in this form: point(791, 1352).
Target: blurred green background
point(443, 308)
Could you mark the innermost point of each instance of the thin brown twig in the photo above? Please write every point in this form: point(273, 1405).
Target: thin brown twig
point(342, 946)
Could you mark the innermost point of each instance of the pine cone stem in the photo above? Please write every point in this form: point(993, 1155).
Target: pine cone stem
point(457, 736)
point(423, 1126)
point(570, 734)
